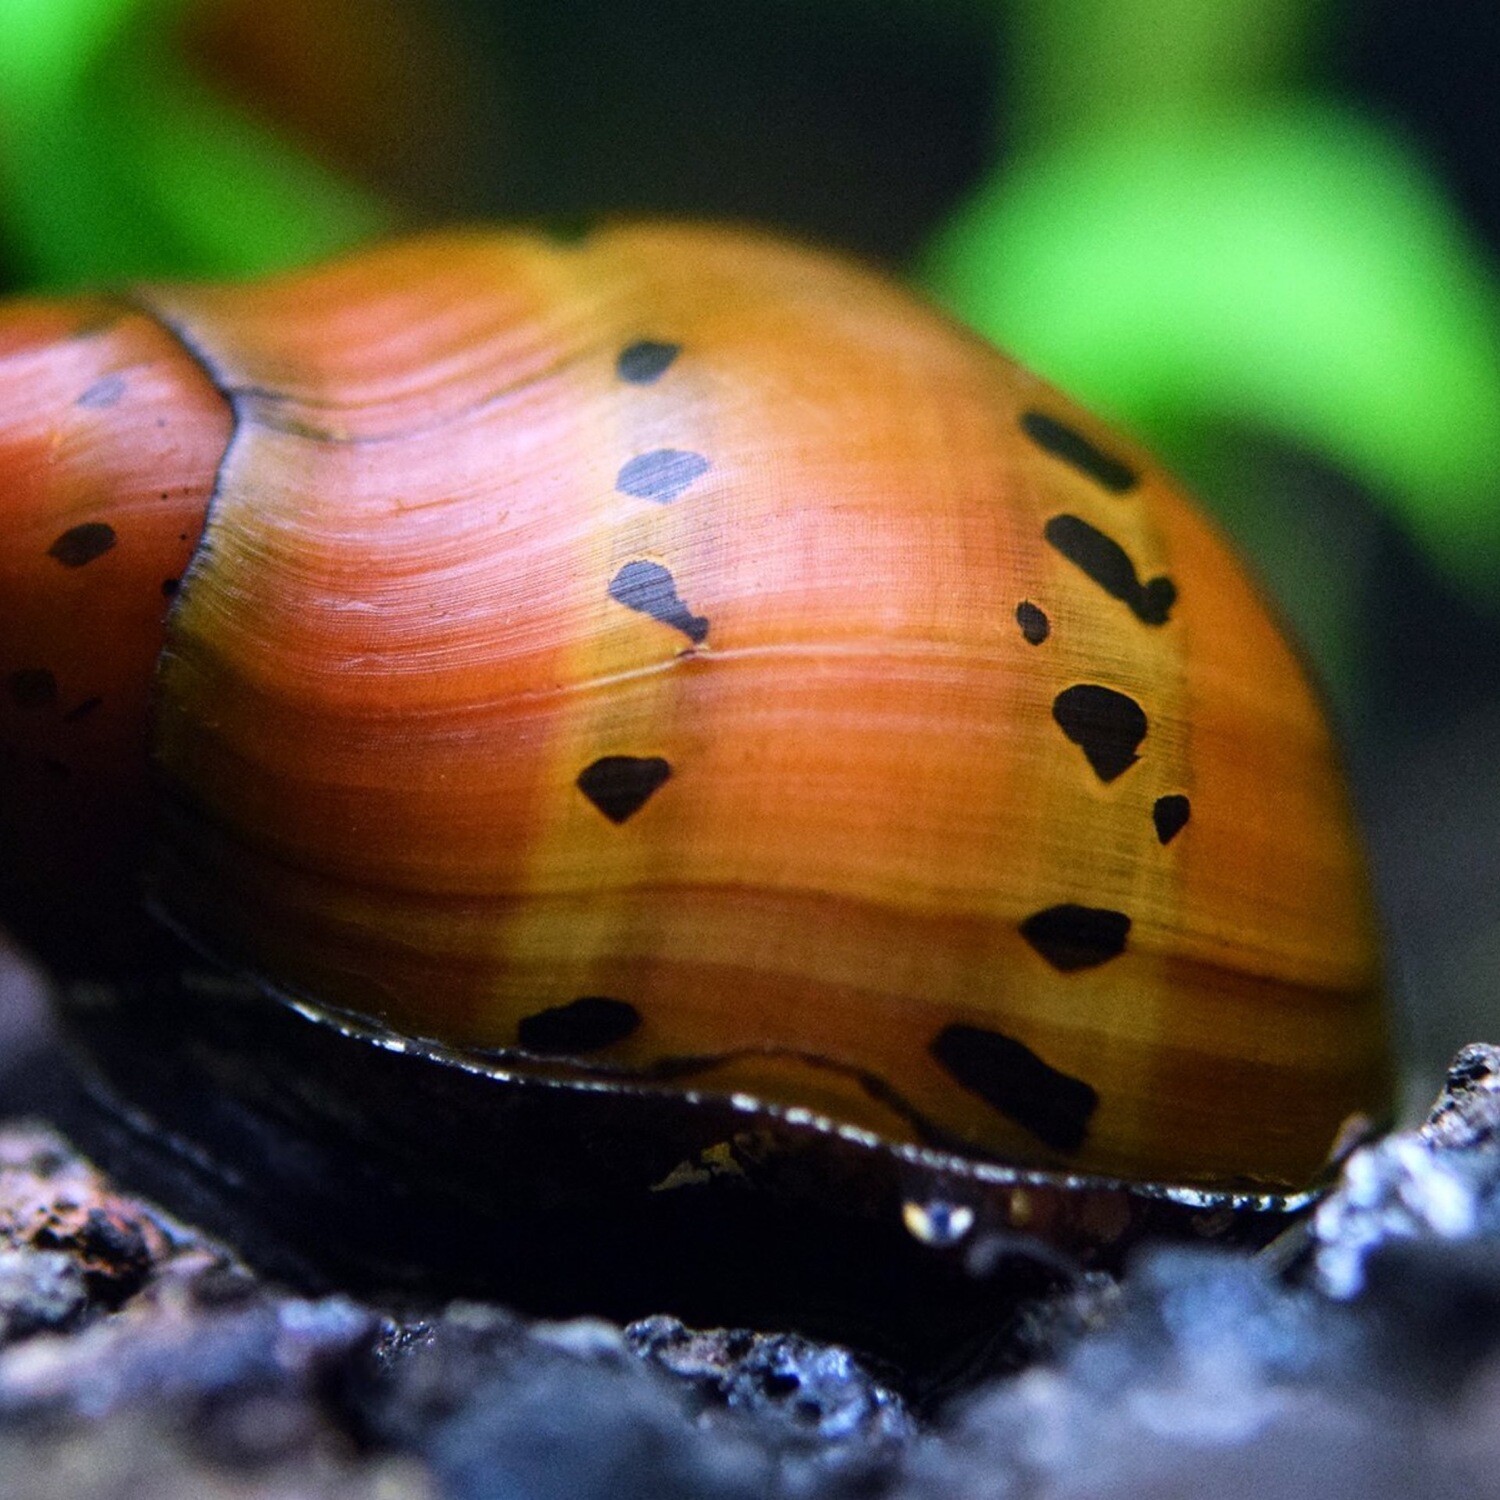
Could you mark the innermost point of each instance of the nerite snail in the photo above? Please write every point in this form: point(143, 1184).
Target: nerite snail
point(681, 680)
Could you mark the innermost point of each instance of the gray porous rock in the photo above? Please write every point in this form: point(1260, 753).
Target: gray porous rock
point(1436, 1187)
point(141, 1358)
point(658, 1410)
point(1358, 1358)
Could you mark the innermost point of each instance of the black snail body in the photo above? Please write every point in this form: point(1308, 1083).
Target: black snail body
point(694, 782)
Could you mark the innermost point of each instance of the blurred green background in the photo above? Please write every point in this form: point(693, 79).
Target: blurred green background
point(1263, 234)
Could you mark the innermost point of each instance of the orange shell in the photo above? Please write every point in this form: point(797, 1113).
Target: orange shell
point(108, 431)
point(686, 658)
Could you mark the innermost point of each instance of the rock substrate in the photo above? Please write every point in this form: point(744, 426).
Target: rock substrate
point(1359, 1358)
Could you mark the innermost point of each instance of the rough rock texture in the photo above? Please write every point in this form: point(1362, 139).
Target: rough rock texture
point(138, 1358)
point(1359, 1358)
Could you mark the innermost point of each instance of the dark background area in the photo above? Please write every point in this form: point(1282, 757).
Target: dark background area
point(862, 124)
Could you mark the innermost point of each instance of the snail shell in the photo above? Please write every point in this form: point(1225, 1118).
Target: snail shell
point(681, 664)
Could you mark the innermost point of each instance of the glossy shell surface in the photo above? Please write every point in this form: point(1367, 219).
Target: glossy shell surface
point(684, 660)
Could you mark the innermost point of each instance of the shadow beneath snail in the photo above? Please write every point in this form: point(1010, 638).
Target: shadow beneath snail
point(335, 1156)
point(35, 1077)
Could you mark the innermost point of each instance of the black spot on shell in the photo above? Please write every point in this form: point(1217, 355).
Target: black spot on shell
point(32, 687)
point(1070, 445)
point(1053, 1106)
point(661, 475)
point(620, 785)
point(103, 392)
point(169, 586)
point(1107, 726)
point(1077, 937)
point(582, 1025)
point(1170, 814)
point(645, 360)
point(1106, 562)
point(82, 544)
point(1033, 622)
point(650, 588)
point(82, 710)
